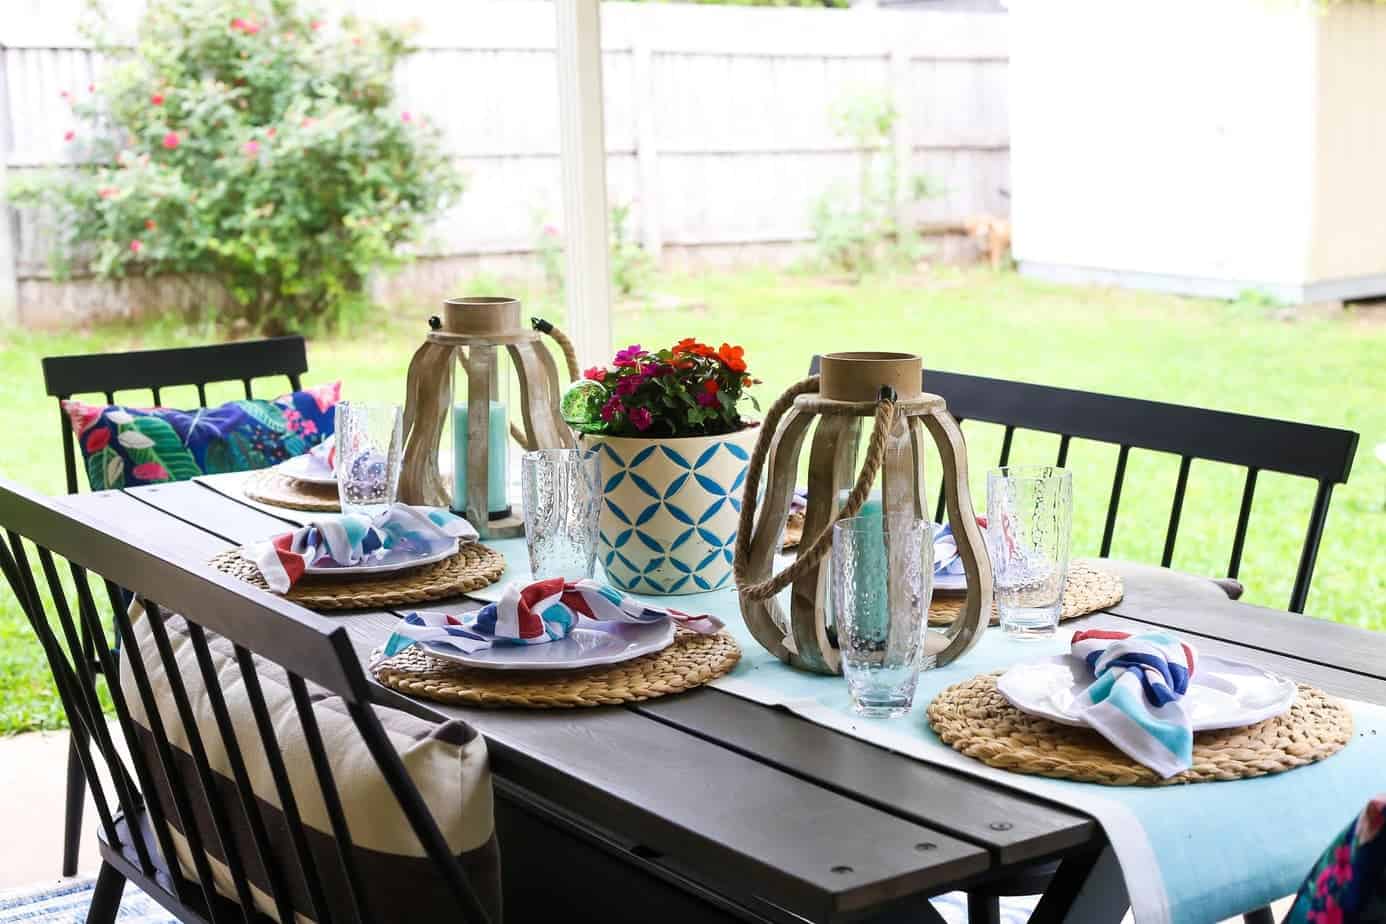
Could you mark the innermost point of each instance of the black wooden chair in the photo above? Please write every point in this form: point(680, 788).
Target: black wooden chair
point(150, 372)
point(172, 798)
point(1257, 444)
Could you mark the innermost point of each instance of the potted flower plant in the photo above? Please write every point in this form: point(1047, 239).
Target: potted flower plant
point(674, 452)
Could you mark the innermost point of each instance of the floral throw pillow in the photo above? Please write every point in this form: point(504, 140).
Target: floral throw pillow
point(1348, 883)
point(125, 447)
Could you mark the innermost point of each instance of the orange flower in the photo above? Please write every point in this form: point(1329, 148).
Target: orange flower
point(692, 347)
point(731, 357)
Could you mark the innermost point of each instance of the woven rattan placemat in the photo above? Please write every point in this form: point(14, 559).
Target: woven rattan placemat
point(269, 486)
point(473, 567)
point(1089, 589)
point(691, 661)
point(974, 718)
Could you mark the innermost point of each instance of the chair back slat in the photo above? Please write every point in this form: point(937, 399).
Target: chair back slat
point(319, 909)
point(196, 817)
point(250, 808)
point(327, 785)
point(1234, 564)
point(1114, 501)
point(1323, 454)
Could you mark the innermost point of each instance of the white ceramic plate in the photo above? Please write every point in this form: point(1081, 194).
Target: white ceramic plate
point(950, 582)
point(308, 469)
point(583, 648)
point(390, 561)
point(1224, 693)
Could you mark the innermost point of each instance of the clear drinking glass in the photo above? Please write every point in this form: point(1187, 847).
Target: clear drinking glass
point(882, 578)
point(369, 453)
point(1029, 528)
point(562, 492)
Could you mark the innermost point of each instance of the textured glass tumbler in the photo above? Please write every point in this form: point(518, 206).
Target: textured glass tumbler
point(1029, 528)
point(882, 578)
point(369, 453)
point(562, 493)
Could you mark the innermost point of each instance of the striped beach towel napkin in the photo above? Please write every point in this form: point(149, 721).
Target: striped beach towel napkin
point(1136, 697)
point(536, 613)
point(353, 539)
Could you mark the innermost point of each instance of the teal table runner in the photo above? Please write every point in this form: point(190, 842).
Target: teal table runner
point(1189, 854)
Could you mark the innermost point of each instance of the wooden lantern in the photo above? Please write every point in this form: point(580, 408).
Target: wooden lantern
point(469, 333)
point(852, 388)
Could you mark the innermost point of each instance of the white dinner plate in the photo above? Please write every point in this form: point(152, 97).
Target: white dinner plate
point(1223, 694)
point(394, 560)
point(308, 469)
point(950, 582)
point(582, 648)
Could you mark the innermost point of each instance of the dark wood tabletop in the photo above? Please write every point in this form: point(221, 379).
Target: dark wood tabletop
point(751, 813)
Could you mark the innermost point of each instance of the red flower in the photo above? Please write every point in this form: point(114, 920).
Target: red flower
point(171, 141)
point(136, 246)
point(97, 439)
point(595, 374)
point(150, 224)
point(157, 99)
point(150, 472)
point(69, 135)
point(731, 357)
point(711, 386)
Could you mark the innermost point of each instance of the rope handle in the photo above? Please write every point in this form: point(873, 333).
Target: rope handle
point(569, 358)
point(811, 554)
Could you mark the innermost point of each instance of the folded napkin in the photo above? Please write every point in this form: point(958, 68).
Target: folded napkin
point(325, 454)
point(947, 560)
point(1136, 697)
point(352, 539)
point(536, 613)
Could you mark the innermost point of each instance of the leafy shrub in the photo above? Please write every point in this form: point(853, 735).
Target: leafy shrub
point(631, 266)
point(857, 230)
point(256, 144)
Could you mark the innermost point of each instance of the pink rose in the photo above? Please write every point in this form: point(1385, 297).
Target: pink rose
point(171, 141)
point(136, 246)
point(150, 472)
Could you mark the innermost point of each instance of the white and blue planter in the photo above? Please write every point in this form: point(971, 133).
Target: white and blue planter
point(670, 509)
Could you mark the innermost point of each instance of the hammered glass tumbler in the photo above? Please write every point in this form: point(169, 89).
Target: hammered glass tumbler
point(562, 493)
point(881, 581)
point(369, 454)
point(1029, 529)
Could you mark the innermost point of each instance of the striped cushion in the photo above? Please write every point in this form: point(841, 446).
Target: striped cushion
point(447, 762)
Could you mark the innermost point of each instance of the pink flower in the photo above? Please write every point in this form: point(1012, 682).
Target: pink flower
point(98, 439)
point(252, 148)
point(707, 398)
point(157, 99)
point(641, 418)
point(271, 132)
point(171, 141)
point(629, 385)
point(308, 427)
point(595, 374)
point(91, 88)
point(150, 471)
point(107, 192)
point(315, 25)
point(65, 95)
point(612, 408)
point(650, 370)
point(629, 356)
point(69, 135)
point(308, 122)
point(406, 116)
point(550, 231)
point(136, 246)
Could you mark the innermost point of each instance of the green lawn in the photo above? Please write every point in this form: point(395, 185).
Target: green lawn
point(1237, 357)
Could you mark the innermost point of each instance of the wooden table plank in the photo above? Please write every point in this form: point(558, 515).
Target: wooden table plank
point(632, 772)
point(1161, 597)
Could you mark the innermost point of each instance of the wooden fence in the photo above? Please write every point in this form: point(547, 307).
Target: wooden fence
point(717, 118)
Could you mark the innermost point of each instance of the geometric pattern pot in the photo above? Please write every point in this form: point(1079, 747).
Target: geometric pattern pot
point(670, 509)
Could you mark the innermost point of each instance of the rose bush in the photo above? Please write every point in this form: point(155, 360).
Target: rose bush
point(252, 142)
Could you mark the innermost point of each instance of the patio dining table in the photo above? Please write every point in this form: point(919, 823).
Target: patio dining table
point(709, 806)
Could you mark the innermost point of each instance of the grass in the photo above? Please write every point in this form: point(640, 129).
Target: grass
point(1238, 357)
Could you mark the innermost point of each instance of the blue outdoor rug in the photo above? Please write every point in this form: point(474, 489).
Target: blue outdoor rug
point(66, 902)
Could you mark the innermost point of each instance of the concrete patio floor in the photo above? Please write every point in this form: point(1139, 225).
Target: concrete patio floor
point(32, 787)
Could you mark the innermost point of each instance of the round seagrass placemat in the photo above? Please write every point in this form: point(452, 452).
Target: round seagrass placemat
point(974, 718)
point(473, 567)
point(269, 486)
point(691, 661)
point(1089, 588)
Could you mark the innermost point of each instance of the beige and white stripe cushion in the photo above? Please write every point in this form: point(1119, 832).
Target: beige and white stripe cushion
point(447, 762)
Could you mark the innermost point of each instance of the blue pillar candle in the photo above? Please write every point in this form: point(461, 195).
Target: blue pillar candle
point(497, 459)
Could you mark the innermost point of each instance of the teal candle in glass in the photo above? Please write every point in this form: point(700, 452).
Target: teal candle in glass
point(871, 507)
point(497, 459)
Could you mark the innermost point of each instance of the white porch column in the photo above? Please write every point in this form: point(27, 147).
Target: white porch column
point(583, 144)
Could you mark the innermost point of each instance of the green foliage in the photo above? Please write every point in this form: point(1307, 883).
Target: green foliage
point(631, 266)
point(255, 144)
point(857, 231)
point(548, 244)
